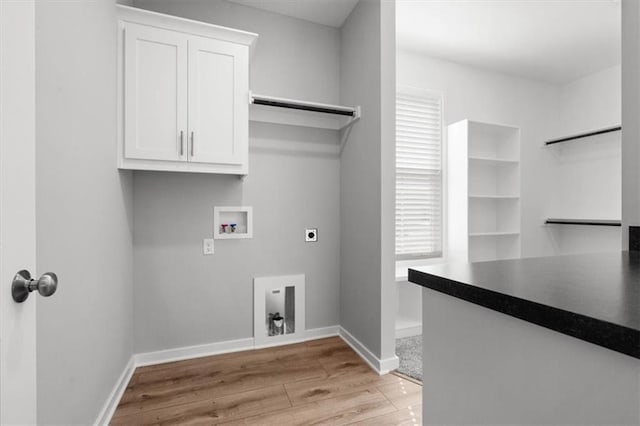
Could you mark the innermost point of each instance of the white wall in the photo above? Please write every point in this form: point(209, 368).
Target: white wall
point(184, 298)
point(591, 102)
point(630, 117)
point(84, 207)
point(493, 97)
point(587, 172)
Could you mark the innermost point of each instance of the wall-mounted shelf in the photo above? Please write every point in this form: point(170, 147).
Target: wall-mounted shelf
point(588, 222)
point(495, 197)
point(584, 135)
point(493, 234)
point(494, 160)
point(271, 109)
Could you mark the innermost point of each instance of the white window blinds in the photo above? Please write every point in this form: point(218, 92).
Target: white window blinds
point(418, 175)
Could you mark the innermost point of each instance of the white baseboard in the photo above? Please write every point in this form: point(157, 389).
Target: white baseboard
point(321, 333)
point(415, 330)
point(198, 351)
point(116, 394)
point(190, 352)
point(389, 364)
point(381, 366)
point(314, 333)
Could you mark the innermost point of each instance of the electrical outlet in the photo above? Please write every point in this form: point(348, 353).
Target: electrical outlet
point(207, 246)
point(311, 235)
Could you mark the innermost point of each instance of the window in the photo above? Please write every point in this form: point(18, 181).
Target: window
point(418, 175)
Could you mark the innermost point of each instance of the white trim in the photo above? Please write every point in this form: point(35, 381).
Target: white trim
point(402, 266)
point(187, 26)
point(313, 334)
point(262, 285)
point(415, 330)
point(227, 346)
point(104, 417)
point(190, 352)
point(380, 366)
point(217, 222)
point(387, 365)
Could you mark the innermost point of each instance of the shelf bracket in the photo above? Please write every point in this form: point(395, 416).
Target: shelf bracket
point(356, 117)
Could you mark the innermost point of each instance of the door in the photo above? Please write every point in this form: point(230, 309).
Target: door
point(218, 101)
point(155, 93)
point(17, 210)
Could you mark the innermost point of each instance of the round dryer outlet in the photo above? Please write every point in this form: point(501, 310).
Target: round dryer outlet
point(311, 235)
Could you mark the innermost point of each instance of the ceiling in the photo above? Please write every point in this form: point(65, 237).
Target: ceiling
point(326, 12)
point(551, 40)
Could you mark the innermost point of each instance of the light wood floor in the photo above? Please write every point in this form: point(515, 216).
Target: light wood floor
point(317, 382)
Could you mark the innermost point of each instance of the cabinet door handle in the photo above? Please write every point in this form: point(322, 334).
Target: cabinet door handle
point(181, 143)
point(192, 143)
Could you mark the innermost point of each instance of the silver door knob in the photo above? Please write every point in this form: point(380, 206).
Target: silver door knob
point(23, 284)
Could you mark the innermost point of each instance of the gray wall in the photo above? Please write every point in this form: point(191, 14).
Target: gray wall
point(184, 298)
point(630, 114)
point(360, 170)
point(84, 219)
point(293, 58)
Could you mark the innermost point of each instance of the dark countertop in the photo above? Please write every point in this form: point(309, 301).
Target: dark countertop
point(593, 297)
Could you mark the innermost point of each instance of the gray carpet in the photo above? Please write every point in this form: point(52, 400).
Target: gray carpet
point(409, 350)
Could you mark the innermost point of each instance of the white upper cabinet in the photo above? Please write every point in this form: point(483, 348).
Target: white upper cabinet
point(218, 101)
point(155, 93)
point(184, 94)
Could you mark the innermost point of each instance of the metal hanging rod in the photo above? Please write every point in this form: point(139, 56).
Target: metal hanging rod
point(304, 105)
point(585, 135)
point(591, 222)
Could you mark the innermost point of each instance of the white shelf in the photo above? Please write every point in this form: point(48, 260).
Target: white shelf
point(493, 234)
point(295, 112)
point(495, 197)
point(587, 134)
point(494, 160)
point(484, 179)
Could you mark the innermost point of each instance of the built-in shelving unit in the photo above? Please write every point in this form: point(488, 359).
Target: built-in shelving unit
point(587, 134)
point(484, 191)
point(294, 112)
point(587, 222)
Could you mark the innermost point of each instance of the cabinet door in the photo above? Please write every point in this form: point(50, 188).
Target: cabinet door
point(155, 93)
point(218, 101)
